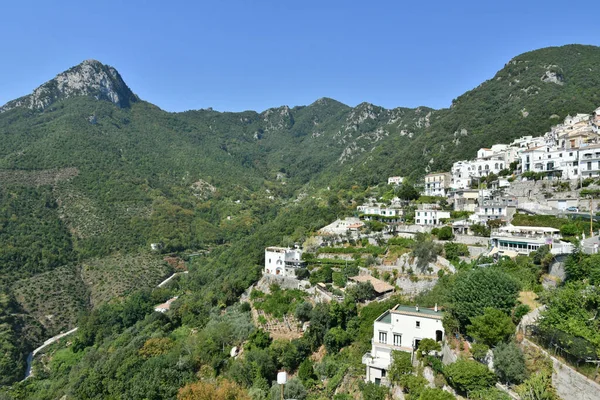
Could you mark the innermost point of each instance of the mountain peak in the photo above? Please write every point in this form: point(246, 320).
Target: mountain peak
point(90, 78)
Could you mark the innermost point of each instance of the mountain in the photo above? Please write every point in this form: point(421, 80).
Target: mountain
point(90, 78)
point(91, 175)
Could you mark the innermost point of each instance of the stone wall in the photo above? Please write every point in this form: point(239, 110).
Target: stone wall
point(569, 384)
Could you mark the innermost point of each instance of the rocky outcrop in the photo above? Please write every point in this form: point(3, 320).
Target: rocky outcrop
point(90, 78)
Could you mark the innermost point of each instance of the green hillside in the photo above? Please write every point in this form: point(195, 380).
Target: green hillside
point(93, 175)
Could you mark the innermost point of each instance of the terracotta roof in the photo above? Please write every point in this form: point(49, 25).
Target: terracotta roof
point(379, 285)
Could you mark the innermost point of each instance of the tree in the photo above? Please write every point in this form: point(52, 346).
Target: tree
point(492, 327)
point(335, 339)
point(435, 394)
point(293, 389)
point(426, 346)
point(401, 365)
point(408, 192)
point(306, 372)
point(362, 291)
point(489, 394)
point(537, 387)
point(371, 391)
point(509, 363)
point(221, 390)
point(425, 250)
point(303, 311)
point(445, 233)
point(479, 351)
point(468, 375)
point(481, 288)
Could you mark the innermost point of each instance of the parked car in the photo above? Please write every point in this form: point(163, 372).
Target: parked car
point(572, 209)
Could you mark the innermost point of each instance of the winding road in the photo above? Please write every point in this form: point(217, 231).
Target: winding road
point(28, 372)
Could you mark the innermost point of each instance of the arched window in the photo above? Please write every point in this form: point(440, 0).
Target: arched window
point(496, 166)
point(487, 167)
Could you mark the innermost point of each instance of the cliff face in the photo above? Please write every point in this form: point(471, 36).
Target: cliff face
point(90, 78)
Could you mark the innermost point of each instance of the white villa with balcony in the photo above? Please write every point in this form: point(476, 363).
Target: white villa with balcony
point(513, 240)
point(401, 328)
point(283, 261)
point(430, 217)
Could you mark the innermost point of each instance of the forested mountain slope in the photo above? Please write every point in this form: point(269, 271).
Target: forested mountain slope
point(88, 172)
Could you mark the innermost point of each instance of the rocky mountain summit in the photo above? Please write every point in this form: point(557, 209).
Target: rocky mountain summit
point(90, 78)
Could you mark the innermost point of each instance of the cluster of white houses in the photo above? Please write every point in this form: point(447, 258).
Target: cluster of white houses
point(570, 150)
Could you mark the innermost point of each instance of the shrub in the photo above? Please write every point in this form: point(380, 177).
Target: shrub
point(509, 363)
point(492, 327)
point(467, 375)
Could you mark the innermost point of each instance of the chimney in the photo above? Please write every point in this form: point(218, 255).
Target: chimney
point(436, 309)
point(417, 308)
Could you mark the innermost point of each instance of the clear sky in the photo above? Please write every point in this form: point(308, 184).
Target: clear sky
point(244, 54)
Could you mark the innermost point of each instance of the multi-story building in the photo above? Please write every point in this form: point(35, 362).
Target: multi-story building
point(401, 328)
point(430, 217)
point(283, 261)
point(437, 184)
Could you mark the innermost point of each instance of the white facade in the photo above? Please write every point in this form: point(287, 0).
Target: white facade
point(526, 239)
point(395, 180)
point(282, 261)
point(401, 328)
point(589, 161)
point(381, 211)
point(430, 217)
point(437, 184)
point(549, 159)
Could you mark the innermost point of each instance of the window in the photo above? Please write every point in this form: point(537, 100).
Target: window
point(397, 339)
point(418, 325)
point(269, 261)
point(382, 337)
point(570, 154)
point(383, 372)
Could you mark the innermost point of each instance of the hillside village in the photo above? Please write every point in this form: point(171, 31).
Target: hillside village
point(495, 207)
point(312, 252)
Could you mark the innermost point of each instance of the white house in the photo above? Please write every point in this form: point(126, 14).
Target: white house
point(395, 180)
point(510, 240)
point(377, 210)
point(401, 328)
point(430, 217)
point(282, 261)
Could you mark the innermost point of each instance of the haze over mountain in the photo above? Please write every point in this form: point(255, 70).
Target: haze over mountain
point(89, 172)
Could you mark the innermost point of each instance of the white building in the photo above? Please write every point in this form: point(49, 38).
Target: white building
point(380, 211)
point(395, 180)
point(430, 217)
point(282, 261)
point(437, 184)
point(550, 159)
point(401, 328)
point(511, 240)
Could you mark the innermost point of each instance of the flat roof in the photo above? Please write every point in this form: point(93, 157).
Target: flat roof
point(412, 311)
point(543, 229)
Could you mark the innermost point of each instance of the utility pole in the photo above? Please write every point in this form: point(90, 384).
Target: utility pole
point(591, 213)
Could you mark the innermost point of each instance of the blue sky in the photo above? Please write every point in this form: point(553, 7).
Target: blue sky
point(240, 55)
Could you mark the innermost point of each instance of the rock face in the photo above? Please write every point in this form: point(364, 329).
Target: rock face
point(90, 78)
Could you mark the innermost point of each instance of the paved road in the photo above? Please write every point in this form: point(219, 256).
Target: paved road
point(46, 343)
